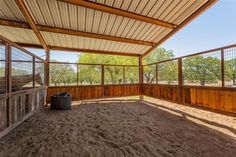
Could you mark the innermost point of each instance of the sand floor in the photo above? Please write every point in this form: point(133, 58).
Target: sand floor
point(122, 128)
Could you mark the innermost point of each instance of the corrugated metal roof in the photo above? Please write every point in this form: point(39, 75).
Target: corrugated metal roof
point(70, 41)
point(10, 11)
point(19, 35)
point(59, 14)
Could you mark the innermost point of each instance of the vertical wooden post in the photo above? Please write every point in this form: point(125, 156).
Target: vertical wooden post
point(124, 75)
point(141, 77)
point(8, 82)
point(46, 74)
point(34, 72)
point(102, 80)
point(222, 68)
point(102, 75)
point(47, 68)
point(180, 78)
point(156, 73)
point(77, 74)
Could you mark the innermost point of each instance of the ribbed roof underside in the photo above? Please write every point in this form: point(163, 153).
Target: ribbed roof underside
point(64, 15)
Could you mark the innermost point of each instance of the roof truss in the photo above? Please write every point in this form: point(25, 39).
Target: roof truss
point(28, 17)
point(79, 50)
point(37, 29)
point(75, 33)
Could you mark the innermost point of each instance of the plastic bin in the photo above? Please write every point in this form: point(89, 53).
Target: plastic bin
point(61, 101)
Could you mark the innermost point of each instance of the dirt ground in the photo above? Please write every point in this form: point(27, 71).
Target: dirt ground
point(123, 128)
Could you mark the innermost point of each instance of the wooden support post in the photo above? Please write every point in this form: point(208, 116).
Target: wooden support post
point(47, 68)
point(46, 74)
point(180, 78)
point(77, 73)
point(222, 68)
point(102, 80)
point(34, 72)
point(141, 77)
point(156, 73)
point(124, 75)
point(8, 82)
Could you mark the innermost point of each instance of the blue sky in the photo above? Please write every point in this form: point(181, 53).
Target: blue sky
point(214, 28)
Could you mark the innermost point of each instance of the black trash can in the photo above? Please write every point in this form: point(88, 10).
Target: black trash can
point(61, 101)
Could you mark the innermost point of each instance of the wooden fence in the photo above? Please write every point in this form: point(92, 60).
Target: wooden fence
point(218, 95)
point(16, 107)
point(22, 90)
point(96, 91)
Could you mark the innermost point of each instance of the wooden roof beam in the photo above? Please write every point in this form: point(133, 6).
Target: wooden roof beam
point(78, 50)
point(119, 12)
point(73, 32)
point(93, 35)
point(197, 13)
point(29, 19)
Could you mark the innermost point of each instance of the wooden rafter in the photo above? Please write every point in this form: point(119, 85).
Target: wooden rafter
point(183, 24)
point(73, 32)
point(93, 51)
point(93, 35)
point(119, 12)
point(79, 50)
point(29, 19)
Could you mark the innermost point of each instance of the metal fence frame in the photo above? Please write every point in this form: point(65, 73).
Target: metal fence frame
point(102, 71)
point(180, 68)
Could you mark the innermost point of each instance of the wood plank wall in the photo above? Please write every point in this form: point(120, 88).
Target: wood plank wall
point(16, 107)
point(96, 91)
point(221, 99)
point(165, 92)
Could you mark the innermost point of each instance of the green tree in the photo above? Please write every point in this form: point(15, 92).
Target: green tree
point(160, 54)
point(230, 70)
point(62, 74)
point(201, 69)
point(168, 71)
point(113, 74)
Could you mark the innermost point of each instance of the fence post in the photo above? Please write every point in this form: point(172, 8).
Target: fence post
point(102, 80)
point(180, 78)
point(47, 68)
point(156, 73)
point(34, 72)
point(8, 81)
point(123, 74)
point(141, 77)
point(77, 74)
point(222, 68)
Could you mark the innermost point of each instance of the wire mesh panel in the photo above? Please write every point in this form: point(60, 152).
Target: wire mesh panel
point(89, 74)
point(168, 72)
point(39, 73)
point(149, 73)
point(131, 75)
point(63, 74)
point(2, 69)
point(22, 70)
point(230, 67)
point(113, 74)
point(203, 70)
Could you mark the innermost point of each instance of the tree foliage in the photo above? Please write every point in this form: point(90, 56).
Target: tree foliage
point(112, 74)
point(200, 69)
point(168, 72)
point(62, 74)
point(230, 70)
point(158, 55)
